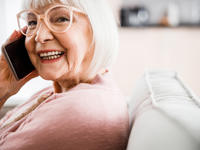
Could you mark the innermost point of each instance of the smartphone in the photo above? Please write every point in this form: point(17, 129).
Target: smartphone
point(18, 58)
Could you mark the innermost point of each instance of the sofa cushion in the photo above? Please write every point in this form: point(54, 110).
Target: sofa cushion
point(164, 114)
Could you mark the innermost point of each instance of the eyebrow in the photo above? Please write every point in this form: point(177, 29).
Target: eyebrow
point(31, 15)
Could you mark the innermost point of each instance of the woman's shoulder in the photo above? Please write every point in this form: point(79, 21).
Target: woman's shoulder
point(90, 116)
point(92, 102)
point(99, 102)
point(96, 118)
point(102, 94)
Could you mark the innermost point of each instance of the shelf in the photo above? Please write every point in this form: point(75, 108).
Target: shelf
point(159, 27)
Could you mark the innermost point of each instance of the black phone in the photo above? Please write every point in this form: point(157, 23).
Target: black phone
point(18, 58)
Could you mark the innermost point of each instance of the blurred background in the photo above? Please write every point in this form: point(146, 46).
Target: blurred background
point(153, 34)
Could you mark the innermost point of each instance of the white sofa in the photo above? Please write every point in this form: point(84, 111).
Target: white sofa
point(164, 114)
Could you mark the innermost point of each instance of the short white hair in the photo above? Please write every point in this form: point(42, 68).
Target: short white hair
point(105, 34)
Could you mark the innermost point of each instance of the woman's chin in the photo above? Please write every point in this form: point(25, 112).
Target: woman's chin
point(49, 77)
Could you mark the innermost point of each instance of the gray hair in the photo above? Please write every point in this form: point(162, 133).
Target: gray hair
point(105, 35)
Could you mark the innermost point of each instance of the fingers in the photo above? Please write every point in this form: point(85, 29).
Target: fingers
point(24, 29)
point(14, 36)
point(30, 76)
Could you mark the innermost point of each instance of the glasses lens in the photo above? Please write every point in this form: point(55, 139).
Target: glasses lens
point(28, 20)
point(59, 18)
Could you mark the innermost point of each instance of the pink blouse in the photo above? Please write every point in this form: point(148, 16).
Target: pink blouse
point(87, 117)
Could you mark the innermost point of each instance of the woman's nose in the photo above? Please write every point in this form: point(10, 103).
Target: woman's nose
point(43, 34)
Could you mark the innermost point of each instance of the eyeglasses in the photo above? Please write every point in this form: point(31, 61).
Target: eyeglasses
point(58, 19)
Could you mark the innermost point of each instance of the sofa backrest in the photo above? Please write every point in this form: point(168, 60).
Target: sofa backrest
point(164, 114)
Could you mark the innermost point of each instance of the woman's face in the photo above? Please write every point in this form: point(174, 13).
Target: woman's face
point(74, 45)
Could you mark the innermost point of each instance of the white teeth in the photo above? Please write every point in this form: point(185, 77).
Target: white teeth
point(50, 55)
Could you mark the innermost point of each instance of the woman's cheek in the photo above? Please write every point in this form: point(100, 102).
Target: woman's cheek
point(29, 44)
point(30, 47)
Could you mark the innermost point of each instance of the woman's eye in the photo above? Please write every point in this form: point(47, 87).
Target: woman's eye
point(62, 19)
point(32, 23)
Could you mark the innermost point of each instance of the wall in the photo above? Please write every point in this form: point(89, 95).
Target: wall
point(2, 22)
point(158, 48)
point(154, 48)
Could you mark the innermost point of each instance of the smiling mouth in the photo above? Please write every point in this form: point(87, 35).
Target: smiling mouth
point(50, 55)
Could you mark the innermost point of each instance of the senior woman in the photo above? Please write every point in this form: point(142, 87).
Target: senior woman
point(72, 43)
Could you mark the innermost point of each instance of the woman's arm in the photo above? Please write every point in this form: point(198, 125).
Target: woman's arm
point(8, 84)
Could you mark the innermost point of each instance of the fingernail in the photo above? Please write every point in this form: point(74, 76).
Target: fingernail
point(14, 34)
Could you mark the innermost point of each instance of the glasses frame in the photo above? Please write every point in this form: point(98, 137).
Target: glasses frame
point(44, 18)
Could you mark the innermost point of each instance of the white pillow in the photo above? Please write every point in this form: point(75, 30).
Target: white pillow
point(165, 114)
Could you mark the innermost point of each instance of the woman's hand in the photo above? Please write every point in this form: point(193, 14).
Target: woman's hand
point(8, 84)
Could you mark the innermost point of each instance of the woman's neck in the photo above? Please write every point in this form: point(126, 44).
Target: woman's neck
point(65, 85)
